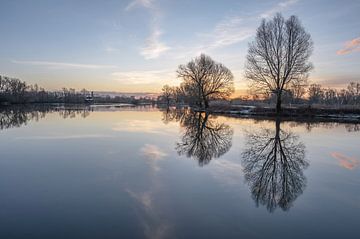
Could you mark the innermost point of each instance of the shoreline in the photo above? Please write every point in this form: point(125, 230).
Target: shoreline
point(299, 114)
point(291, 114)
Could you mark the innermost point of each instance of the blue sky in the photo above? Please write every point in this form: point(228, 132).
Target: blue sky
point(136, 45)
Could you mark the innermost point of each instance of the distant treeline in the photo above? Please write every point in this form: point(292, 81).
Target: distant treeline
point(329, 96)
point(315, 94)
point(15, 91)
point(306, 94)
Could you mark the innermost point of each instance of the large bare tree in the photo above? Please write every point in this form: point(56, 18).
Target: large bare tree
point(279, 56)
point(205, 80)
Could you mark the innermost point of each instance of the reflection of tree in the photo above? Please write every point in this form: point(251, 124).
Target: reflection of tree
point(204, 138)
point(352, 127)
point(273, 165)
point(17, 116)
point(170, 115)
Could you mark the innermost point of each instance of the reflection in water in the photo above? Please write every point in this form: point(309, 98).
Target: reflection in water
point(11, 117)
point(203, 138)
point(346, 162)
point(273, 164)
point(352, 127)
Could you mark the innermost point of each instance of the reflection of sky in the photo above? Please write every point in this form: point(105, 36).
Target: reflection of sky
point(345, 161)
point(144, 189)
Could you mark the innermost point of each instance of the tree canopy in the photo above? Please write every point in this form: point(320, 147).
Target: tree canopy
point(205, 80)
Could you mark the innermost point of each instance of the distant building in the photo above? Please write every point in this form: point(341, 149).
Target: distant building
point(90, 98)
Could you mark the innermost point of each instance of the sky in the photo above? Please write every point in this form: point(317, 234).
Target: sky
point(137, 45)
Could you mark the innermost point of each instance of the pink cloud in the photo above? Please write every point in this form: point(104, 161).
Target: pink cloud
point(350, 46)
point(345, 161)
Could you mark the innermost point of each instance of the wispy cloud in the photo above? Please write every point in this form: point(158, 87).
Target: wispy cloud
point(230, 31)
point(110, 49)
point(141, 3)
point(153, 46)
point(227, 32)
point(144, 77)
point(53, 64)
point(278, 8)
point(350, 46)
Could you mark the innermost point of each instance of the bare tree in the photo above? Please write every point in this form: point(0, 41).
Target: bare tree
point(166, 94)
point(205, 80)
point(279, 56)
point(316, 93)
point(354, 92)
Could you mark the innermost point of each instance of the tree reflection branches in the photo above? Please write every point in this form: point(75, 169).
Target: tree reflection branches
point(203, 137)
point(17, 116)
point(273, 164)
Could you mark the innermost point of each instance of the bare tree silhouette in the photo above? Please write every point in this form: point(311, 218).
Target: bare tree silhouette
point(205, 80)
point(273, 164)
point(278, 58)
point(204, 138)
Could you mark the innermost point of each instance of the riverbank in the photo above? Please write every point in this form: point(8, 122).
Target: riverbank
point(298, 113)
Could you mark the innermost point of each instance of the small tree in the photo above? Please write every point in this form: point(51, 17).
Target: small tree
point(316, 93)
point(278, 56)
point(205, 80)
point(166, 94)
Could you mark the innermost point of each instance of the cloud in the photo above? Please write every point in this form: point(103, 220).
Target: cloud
point(153, 46)
point(278, 8)
point(350, 46)
point(111, 49)
point(345, 161)
point(145, 77)
point(230, 31)
point(63, 64)
point(142, 3)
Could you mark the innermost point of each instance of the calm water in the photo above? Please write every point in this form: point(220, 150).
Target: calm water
point(110, 172)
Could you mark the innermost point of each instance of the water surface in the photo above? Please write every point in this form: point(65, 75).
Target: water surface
point(115, 172)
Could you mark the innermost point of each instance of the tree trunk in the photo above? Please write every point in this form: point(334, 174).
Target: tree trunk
point(206, 103)
point(277, 128)
point(278, 104)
